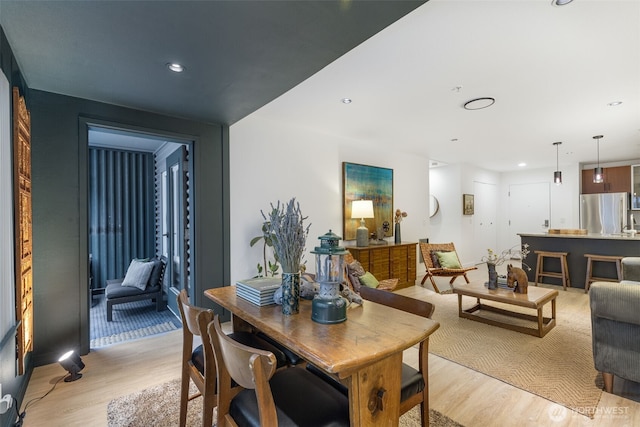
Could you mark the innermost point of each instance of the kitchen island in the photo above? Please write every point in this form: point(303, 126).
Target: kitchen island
point(576, 246)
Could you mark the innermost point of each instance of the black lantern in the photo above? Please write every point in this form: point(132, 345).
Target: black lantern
point(328, 306)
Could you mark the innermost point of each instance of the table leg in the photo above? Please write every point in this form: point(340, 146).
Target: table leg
point(374, 393)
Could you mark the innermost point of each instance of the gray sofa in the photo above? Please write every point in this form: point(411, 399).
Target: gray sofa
point(615, 324)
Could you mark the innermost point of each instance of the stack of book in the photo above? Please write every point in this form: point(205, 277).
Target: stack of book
point(258, 290)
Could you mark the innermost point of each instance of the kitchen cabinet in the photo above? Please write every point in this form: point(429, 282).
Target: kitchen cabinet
point(616, 179)
point(392, 261)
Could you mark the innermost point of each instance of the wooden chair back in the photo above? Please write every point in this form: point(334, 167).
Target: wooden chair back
point(194, 323)
point(400, 302)
point(419, 308)
point(250, 368)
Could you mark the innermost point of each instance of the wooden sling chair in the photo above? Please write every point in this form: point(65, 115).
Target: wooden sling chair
point(431, 261)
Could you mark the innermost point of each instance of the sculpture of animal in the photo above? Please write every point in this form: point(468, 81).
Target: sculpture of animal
point(517, 275)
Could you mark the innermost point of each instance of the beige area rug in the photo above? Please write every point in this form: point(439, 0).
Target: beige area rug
point(558, 367)
point(159, 406)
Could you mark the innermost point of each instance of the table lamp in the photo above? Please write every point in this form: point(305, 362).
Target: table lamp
point(328, 306)
point(362, 209)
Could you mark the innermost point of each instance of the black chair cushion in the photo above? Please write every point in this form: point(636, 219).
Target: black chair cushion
point(253, 340)
point(197, 358)
point(246, 338)
point(292, 358)
point(301, 398)
point(411, 383)
point(116, 290)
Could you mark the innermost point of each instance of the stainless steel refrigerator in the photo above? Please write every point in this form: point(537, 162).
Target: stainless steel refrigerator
point(604, 213)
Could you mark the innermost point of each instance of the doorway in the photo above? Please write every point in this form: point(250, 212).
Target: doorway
point(529, 210)
point(142, 198)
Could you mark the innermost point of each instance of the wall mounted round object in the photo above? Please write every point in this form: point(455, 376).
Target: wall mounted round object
point(479, 103)
point(434, 206)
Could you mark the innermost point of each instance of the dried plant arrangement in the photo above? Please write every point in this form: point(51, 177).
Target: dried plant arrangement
point(288, 233)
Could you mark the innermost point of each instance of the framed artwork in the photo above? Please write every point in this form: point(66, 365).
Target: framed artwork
point(362, 182)
point(467, 204)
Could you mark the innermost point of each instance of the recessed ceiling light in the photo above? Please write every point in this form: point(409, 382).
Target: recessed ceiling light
point(560, 2)
point(175, 67)
point(346, 100)
point(522, 164)
point(479, 103)
point(614, 103)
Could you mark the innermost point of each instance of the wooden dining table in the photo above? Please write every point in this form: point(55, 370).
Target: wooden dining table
point(364, 352)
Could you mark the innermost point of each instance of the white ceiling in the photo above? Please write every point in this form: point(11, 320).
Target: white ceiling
point(552, 71)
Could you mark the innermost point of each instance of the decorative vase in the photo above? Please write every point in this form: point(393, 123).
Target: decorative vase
point(398, 239)
point(290, 293)
point(493, 276)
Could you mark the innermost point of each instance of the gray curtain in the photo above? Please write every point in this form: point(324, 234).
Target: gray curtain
point(121, 211)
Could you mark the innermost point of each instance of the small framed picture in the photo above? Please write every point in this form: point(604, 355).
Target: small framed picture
point(467, 204)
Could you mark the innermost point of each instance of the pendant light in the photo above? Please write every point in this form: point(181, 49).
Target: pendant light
point(598, 176)
point(557, 175)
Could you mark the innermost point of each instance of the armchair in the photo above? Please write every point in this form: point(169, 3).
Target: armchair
point(631, 270)
point(615, 325)
point(453, 268)
point(119, 292)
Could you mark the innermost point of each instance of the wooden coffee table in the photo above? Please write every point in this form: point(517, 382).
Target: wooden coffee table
point(535, 299)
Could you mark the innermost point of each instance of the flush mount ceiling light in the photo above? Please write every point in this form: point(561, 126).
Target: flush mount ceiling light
point(598, 176)
point(614, 103)
point(560, 2)
point(175, 67)
point(557, 175)
point(479, 103)
point(522, 164)
point(346, 100)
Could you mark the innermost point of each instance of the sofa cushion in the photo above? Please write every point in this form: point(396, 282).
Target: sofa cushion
point(138, 274)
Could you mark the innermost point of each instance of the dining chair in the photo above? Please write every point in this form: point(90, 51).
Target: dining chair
point(415, 382)
point(268, 397)
point(199, 365)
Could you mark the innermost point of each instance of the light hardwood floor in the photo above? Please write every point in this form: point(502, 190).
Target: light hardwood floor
point(467, 396)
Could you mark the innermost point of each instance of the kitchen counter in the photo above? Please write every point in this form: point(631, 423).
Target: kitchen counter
point(622, 236)
point(577, 245)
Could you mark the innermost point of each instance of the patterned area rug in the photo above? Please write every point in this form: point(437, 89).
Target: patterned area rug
point(131, 335)
point(130, 321)
point(558, 367)
point(158, 406)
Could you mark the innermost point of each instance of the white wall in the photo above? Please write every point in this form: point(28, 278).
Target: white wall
point(448, 183)
point(271, 161)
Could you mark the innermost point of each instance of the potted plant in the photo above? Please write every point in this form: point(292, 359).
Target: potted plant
point(492, 260)
point(270, 268)
point(288, 234)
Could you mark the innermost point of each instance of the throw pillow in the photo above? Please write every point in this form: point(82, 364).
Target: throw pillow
point(369, 280)
point(138, 274)
point(448, 260)
point(355, 268)
point(435, 260)
point(156, 272)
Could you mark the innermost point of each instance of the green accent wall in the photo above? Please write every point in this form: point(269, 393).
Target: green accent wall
point(59, 168)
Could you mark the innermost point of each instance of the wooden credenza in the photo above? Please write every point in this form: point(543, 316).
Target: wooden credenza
point(392, 261)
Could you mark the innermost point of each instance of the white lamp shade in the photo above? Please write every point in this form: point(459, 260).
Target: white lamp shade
point(362, 209)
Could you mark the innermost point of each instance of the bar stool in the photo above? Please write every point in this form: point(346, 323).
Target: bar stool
point(564, 268)
point(601, 258)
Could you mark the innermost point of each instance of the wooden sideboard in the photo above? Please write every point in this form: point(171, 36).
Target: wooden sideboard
point(392, 261)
